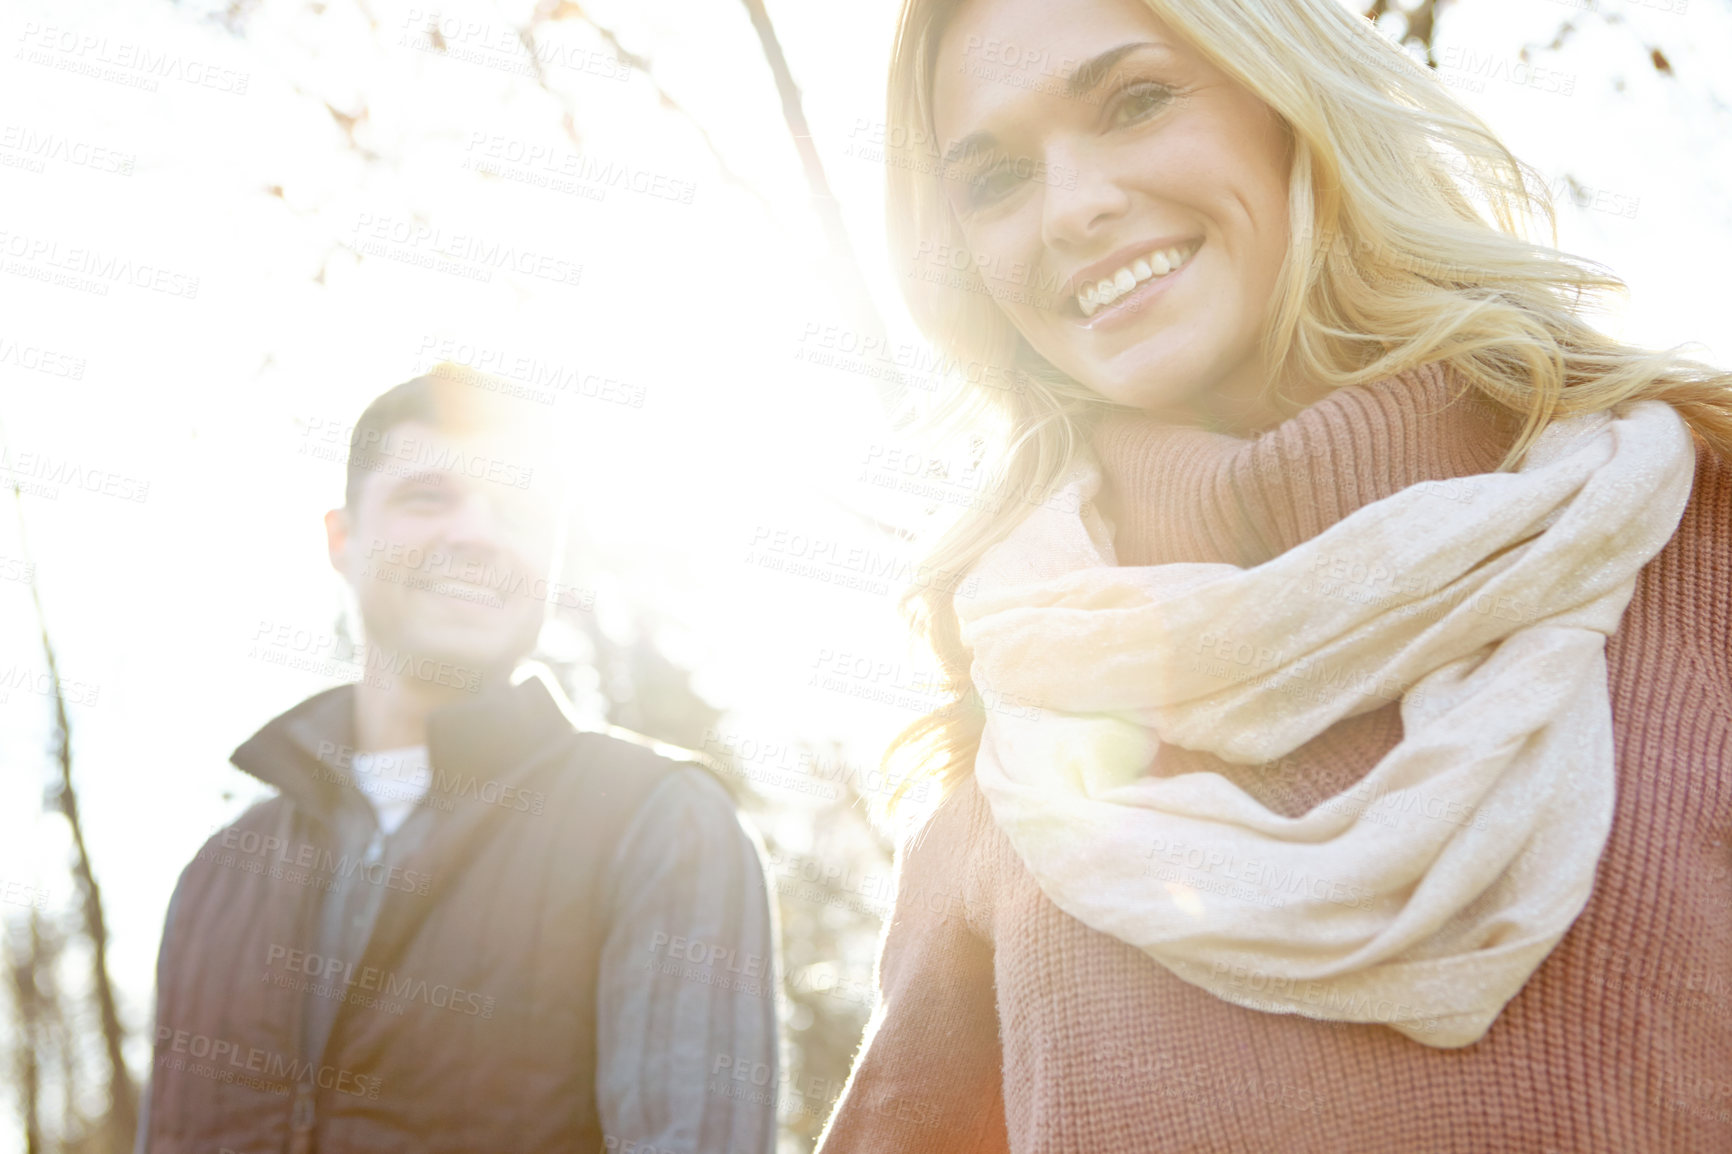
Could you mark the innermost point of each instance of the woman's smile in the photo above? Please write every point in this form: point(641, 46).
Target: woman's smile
point(1106, 301)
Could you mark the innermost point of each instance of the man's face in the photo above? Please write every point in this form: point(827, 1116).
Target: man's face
point(449, 547)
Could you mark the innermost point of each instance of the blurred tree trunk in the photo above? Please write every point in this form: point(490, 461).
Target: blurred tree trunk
point(44, 1045)
point(122, 1117)
point(23, 953)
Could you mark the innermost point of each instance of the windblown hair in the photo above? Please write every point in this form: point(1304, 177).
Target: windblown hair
point(1409, 223)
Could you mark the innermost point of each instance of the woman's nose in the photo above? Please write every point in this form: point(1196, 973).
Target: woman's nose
point(1080, 198)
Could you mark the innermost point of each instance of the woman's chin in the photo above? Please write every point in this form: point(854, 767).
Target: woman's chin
point(1151, 384)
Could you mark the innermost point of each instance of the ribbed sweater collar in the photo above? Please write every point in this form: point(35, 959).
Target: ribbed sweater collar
point(1182, 494)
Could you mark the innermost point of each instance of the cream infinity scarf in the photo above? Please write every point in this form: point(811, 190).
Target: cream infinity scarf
point(1429, 907)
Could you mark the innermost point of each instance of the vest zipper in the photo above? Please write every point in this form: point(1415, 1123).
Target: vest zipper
point(302, 1114)
point(301, 1119)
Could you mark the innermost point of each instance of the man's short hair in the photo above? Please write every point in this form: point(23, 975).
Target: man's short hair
point(449, 397)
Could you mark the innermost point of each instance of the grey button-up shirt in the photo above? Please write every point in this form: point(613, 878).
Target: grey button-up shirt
point(689, 867)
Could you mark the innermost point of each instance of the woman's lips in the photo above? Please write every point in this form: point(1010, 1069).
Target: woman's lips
point(1123, 307)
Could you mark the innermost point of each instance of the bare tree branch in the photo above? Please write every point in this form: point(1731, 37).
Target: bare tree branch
point(567, 10)
point(844, 273)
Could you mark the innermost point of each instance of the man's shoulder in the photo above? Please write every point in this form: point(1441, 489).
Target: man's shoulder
point(688, 828)
point(255, 836)
point(260, 820)
point(669, 807)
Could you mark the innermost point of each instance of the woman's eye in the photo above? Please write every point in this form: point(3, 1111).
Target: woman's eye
point(1137, 101)
point(990, 184)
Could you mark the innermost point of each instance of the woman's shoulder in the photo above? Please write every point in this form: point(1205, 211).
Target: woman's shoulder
point(1703, 540)
point(1687, 587)
point(950, 851)
point(951, 828)
point(1713, 479)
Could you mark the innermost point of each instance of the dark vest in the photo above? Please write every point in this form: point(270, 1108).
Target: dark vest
point(468, 1022)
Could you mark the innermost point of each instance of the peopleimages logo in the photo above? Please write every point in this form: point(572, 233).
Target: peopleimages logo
point(372, 979)
point(467, 254)
point(373, 448)
point(23, 894)
point(37, 359)
point(459, 575)
point(297, 647)
point(135, 65)
point(255, 849)
point(252, 1059)
point(29, 465)
point(40, 257)
point(458, 787)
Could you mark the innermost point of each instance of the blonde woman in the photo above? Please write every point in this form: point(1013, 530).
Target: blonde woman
point(1341, 754)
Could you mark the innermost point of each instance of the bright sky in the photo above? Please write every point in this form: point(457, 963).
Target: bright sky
point(203, 409)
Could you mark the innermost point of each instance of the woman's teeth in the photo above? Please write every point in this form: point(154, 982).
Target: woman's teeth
point(1157, 264)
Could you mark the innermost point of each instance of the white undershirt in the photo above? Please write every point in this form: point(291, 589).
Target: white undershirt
point(393, 780)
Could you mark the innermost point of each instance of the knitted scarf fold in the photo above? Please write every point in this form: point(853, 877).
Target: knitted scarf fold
point(1425, 909)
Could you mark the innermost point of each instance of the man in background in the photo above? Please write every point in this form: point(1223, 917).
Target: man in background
point(464, 923)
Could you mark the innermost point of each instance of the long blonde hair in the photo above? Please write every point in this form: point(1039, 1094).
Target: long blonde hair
point(1391, 265)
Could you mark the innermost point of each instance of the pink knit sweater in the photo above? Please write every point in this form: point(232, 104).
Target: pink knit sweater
point(1006, 1025)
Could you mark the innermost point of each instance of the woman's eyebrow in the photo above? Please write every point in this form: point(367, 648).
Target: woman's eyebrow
point(1085, 79)
point(1090, 73)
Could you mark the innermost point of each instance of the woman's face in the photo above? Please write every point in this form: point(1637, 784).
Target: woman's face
point(1142, 192)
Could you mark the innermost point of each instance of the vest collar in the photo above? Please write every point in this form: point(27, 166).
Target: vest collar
point(307, 751)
